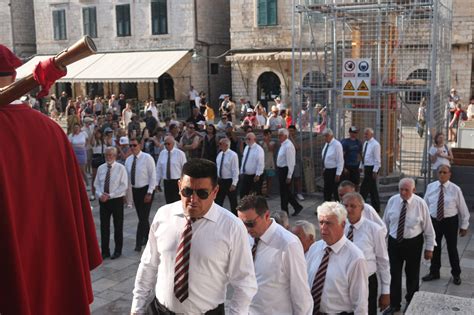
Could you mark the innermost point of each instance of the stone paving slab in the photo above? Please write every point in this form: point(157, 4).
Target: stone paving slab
point(432, 303)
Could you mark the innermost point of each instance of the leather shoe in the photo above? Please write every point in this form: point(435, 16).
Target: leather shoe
point(106, 255)
point(457, 280)
point(391, 310)
point(430, 277)
point(297, 211)
point(138, 248)
point(115, 256)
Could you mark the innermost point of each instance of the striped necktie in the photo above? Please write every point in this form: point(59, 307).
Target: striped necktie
point(350, 234)
point(364, 152)
point(318, 283)
point(107, 179)
point(181, 267)
point(168, 166)
point(254, 247)
point(246, 158)
point(324, 154)
point(221, 165)
point(133, 170)
point(440, 209)
point(401, 222)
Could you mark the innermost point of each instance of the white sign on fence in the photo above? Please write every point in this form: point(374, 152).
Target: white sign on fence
point(356, 74)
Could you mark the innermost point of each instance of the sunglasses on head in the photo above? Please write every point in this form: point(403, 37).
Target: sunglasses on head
point(133, 145)
point(201, 193)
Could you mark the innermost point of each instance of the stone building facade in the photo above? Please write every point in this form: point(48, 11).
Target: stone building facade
point(17, 26)
point(197, 26)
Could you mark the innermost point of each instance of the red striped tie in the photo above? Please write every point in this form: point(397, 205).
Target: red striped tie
point(107, 179)
point(440, 210)
point(181, 267)
point(401, 222)
point(254, 247)
point(350, 234)
point(318, 283)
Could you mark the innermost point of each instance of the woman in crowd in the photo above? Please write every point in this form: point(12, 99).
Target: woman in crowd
point(459, 115)
point(78, 140)
point(72, 119)
point(439, 153)
point(98, 106)
point(261, 115)
point(127, 115)
point(209, 144)
point(209, 114)
point(269, 149)
point(98, 158)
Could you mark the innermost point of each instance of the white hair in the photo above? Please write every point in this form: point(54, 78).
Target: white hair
point(354, 196)
point(328, 131)
point(225, 140)
point(333, 208)
point(112, 150)
point(369, 130)
point(407, 180)
point(307, 227)
point(283, 131)
point(280, 217)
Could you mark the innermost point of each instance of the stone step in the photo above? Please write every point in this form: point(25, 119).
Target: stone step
point(392, 187)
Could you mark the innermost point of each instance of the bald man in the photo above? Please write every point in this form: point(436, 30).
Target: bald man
point(253, 164)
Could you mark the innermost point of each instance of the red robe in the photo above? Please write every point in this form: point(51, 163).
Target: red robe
point(48, 243)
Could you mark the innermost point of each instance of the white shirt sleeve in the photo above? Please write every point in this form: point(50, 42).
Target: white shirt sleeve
point(290, 159)
point(151, 170)
point(295, 265)
point(358, 292)
point(428, 230)
point(235, 169)
point(382, 261)
point(261, 161)
point(377, 158)
point(159, 170)
point(98, 183)
point(463, 210)
point(339, 159)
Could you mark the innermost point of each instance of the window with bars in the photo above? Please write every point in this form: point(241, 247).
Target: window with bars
point(267, 12)
point(59, 24)
point(89, 17)
point(123, 20)
point(159, 18)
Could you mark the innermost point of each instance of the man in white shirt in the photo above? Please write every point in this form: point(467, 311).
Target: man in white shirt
point(193, 94)
point(370, 239)
point(447, 207)
point(280, 266)
point(168, 167)
point(253, 164)
point(371, 162)
point(141, 170)
point(337, 269)
point(408, 222)
point(333, 165)
point(227, 162)
point(306, 232)
point(196, 248)
point(111, 183)
point(275, 121)
point(286, 160)
point(369, 212)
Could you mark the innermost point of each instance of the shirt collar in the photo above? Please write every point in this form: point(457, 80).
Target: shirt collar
point(358, 224)
point(139, 154)
point(267, 236)
point(409, 200)
point(336, 247)
point(211, 214)
point(445, 185)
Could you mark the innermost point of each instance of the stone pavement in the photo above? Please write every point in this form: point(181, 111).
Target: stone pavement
point(113, 281)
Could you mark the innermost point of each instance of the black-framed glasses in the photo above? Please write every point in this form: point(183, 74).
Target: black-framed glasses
point(251, 223)
point(133, 145)
point(201, 193)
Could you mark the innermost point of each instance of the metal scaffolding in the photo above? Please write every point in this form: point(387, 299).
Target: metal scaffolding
point(407, 44)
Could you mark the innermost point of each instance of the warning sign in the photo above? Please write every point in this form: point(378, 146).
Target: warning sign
point(356, 72)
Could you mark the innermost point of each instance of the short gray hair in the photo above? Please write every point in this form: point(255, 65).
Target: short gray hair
point(355, 196)
point(225, 140)
point(112, 150)
point(283, 131)
point(333, 208)
point(407, 180)
point(328, 131)
point(307, 227)
point(281, 217)
point(369, 130)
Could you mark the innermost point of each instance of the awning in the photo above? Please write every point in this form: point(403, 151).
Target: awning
point(115, 67)
point(270, 56)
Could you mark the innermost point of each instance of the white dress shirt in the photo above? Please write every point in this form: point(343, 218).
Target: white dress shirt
point(439, 160)
point(454, 202)
point(334, 156)
point(282, 278)
point(118, 180)
point(262, 120)
point(370, 214)
point(372, 154)
point(255, 162)
point(346, 287)
point(230, 168)
point(287, 156)
point(178, 158)
point(417, 219)
point(145, 171)
point(370, 239)
point(220, 254)
point(274, 123)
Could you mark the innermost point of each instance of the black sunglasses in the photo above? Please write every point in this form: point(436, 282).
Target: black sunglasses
point(201, 193)
point(250, 224)
point(133, 145)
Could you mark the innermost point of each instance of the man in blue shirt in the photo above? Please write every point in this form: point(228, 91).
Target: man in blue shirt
point(352, 148)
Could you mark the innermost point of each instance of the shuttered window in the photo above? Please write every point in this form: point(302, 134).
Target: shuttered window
point(267, 12)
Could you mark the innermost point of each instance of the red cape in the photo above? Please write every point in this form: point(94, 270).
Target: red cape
point(48, 243)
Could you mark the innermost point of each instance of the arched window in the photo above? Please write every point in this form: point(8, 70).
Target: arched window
point(315, 84)
point(268, 87)
point(419, 78)
point(164, 89)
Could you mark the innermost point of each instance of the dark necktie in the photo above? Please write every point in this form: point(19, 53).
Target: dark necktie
point(364, 152)
point(440, 209)
point(246, 158)
point(107, 179)
point(318, 283)
point(401, 222)
point(132, 171)
point(254, 247)
point(324, 154)
point(221, 165)
point(168, 166)
point(181, 267)
point(350, 234)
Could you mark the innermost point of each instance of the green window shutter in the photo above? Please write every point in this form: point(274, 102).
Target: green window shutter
point(262, 12)
point(272, 12)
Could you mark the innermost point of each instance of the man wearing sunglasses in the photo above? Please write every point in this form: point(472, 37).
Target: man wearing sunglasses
point(228, 171)
point(253, 164)
point(142, 173)
point(196, 248)
point(280, 266)
point(168, 167)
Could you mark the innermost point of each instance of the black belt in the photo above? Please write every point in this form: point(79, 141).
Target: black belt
point(156, 308)
point(171, 180)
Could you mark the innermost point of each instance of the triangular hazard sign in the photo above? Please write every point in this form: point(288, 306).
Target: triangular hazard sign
point(348, 86)
point(363, 86)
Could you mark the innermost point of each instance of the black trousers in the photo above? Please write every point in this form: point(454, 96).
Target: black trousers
point(192, 104)
point(286, 196)
point(156, 308)
point(224, 186)
point(352, 175)
point(248, 186)
point(171, 190)
point(448, 227)
point(407, 251)
point(369, 186)
point(330, 185)
point(143, 212)
point(114, 208)
point(373, 287)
